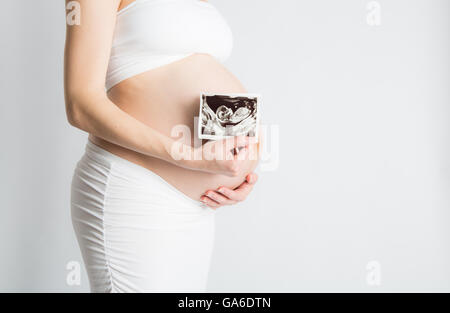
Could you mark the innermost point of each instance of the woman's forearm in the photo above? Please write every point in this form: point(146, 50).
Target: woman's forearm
point(99, 116)
point(94, 113)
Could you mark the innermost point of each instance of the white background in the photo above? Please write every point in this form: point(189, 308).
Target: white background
point(364, 148)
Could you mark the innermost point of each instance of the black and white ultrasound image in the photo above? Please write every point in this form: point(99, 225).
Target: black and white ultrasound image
point(224, 116)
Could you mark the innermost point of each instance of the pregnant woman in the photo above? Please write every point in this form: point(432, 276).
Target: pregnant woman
point(144, 193)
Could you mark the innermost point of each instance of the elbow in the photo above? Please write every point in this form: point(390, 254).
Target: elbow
point(72, 103)
point(73, 113)
point(77, 107)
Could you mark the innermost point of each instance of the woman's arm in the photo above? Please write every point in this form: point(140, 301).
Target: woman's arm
point(87, 53)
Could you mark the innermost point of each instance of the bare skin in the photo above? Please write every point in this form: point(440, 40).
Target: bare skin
point(169, 96)
point(135, 119)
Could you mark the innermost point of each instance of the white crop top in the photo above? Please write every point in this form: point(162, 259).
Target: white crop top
point(152, 33)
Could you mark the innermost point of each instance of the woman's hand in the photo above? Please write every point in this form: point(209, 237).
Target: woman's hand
point(226, 196)
point(225, 157)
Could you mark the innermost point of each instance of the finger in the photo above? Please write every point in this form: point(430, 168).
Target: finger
point(219, 198)
point(253, 152)
point(209, 202)
point(252, 178)
point(237, 142)
point(242, 141)
point(238, 194)
point(244, 188)
point(242, 153)
point(229, 193)
point(261, 135)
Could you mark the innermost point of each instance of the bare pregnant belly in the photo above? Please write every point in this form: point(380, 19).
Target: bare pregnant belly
point(168, 97)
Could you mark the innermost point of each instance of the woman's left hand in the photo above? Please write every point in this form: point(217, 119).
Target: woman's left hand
point(226, 196)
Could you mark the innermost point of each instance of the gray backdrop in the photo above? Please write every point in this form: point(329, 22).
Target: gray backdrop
point(360, 199)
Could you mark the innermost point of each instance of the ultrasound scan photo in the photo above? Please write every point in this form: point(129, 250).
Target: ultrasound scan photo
point(223, 116)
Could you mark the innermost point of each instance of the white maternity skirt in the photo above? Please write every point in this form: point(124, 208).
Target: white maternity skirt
point(136, 232)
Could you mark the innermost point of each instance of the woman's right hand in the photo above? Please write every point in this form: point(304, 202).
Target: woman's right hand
point(226, 156)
